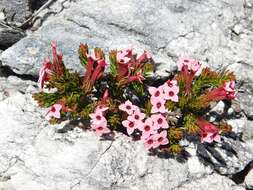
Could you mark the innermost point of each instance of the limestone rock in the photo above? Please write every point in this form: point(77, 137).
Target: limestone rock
point(9, 36)
point(210, 182)
point(219, 37)
point(16, 10)
point(249, 180)
point(35, 155)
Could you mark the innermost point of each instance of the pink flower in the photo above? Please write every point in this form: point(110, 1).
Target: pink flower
point(191, 64)
point(161, 139)
point(97, 117)
point(147, 128)
point(101, 128)
point(131, 125)
point(137, 77)
point(128, 107)
point(150, 143)
point(171, 83)
point(158, 105)
point(54, 112)
point(137, 116)
point(160, 121)
point(101, 108)
point(208, 132)
point(144, 56)
point(45, 73)
point(229, 87)
point(171, 92)
point(124, 56)
point(156, 93)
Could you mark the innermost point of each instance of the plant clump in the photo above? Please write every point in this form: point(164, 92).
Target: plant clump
point(125, 95)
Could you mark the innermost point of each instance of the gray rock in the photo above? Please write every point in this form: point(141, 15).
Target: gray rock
point(16, 10)
point(246, 100)
point(211, 182)
point(221, 36)
point(35, 155)
point(249, 180)
point(9, 36)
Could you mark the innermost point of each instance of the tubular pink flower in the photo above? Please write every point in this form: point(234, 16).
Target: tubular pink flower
point(191, 64)
point(144, 56)
point(208, 132)
point(54, 112)
point(137, 116)
point(101, 108)
point(150, 143)
point(160, 121)
point(128, 107)
point(124, 56)
point(101, 128)
point(45, 73)
point(161, 139)
point(137, 77)
point(131, 125)
point(229, 87)
point(147, 128)
point(171, 83)
point(158, 105)
point(97, 117)
point(156, 93)
point(171, 93)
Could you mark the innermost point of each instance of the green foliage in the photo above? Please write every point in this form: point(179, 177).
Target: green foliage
point(46, 99)
point(148, 69)
point(189, 124)
point(113, 63)
point(114, 120)
point(138, 88)
point(83, 50)
point(210, 79)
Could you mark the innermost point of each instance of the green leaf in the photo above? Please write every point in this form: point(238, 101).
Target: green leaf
point(113, 63)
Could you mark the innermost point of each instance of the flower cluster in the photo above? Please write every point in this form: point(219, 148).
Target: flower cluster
point(129, 98)
point(166, 92)
point(99, 122)
point(151, 128)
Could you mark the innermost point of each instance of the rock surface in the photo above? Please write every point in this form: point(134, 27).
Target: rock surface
point(16, 10)
point(209, 183)
point(249, 180)
point(35, 155)
point(220, 36)
point(9, 36)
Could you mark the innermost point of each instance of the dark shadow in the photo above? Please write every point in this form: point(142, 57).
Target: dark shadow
point(5, 71)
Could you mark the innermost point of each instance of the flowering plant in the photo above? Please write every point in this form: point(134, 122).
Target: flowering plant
point(127, 96)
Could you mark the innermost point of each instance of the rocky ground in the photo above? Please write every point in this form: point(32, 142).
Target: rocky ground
point(37, 156)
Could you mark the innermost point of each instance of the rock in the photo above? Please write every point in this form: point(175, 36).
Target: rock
point(210, 182)
point(173, 28)
point(77, 159)
point(16, 10)
point(246, 100)
point(249, 180)
point(9, 36)
point(35, 155)
point(248, 131)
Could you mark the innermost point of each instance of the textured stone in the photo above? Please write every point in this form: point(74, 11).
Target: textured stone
point(35, 155)
point(249, 180)
point(16, 10)
point(211, 182)
point(221, 36)
point(246, 100)
point(9, 36)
